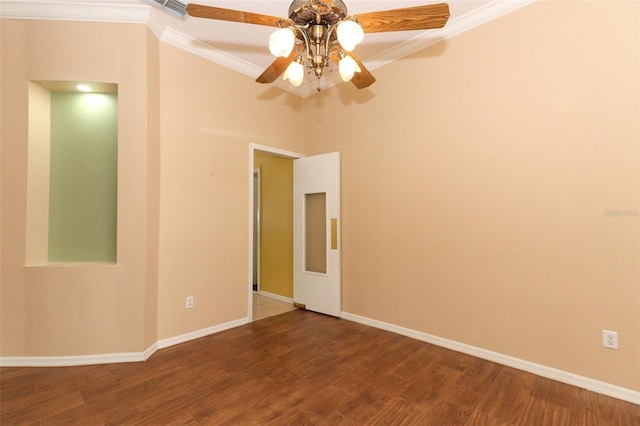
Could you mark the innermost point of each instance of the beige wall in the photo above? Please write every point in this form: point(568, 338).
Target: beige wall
point(153, 192)
point(276, 223)
point(209, 116)
point(88, 309)
point(479, 177)
point(39, 153)
point(478, 180)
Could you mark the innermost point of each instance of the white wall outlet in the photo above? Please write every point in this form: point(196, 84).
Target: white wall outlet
point(189, 302)
point(610, 339)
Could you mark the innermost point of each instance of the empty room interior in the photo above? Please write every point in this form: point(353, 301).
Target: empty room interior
point(487, 207)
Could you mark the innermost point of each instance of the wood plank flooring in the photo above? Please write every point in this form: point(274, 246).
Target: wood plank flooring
point(301, 368)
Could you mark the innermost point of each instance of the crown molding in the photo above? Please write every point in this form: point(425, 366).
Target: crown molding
point(134, 11)
point(489, 12)
point(195, 46)
point(220, 57)
point(130, 11)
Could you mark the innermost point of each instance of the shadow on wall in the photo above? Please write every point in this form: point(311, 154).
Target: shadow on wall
point(350, 95)
point(290, 100)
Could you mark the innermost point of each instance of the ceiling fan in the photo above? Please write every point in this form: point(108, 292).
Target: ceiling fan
point(319, 32)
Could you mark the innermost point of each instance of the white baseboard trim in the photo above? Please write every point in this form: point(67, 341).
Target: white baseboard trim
point(520, 364)
point(150, 351)
point(275, 296)
point(67, 361)
point(165, 343)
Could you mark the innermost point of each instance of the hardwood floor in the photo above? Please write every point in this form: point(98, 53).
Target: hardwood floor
point(301, 368)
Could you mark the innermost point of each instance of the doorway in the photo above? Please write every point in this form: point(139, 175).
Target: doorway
point(271, 231)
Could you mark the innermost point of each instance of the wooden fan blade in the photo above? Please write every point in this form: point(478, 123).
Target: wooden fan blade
point(210, 12)
point(276, 69)
point(361, 79)
point(408, 18)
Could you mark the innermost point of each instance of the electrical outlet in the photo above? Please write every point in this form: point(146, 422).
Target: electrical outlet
point(189, 302)
point(610, 339)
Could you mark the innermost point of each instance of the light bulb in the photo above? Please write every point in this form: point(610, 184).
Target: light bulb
point(347, 67)
point(294, 73)
point(349, 35)
point(281, 42)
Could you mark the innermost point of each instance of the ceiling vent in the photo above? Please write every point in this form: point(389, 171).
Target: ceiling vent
point(172, 7)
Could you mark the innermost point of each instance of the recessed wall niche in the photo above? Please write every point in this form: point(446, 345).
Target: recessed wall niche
point(72, 173)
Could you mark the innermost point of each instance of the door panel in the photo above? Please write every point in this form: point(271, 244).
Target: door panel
point(316, 230)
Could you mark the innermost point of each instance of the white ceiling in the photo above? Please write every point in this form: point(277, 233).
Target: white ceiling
point(243, 47)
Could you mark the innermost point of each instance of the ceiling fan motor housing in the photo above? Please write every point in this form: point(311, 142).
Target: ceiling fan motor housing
point(303, 12)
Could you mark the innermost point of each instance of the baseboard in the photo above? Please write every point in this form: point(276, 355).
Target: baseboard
point(164, 343)
point(150, 351)
point(275, 296)
point(67, 361)
point(531, 367)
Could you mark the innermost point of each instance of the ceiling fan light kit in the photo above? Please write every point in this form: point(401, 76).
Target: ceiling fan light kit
point(319, 32)
point(294, 72)
point(281, 42)
point(350, 34)
point(348, 67)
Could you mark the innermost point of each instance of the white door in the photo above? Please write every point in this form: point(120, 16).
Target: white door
point(316, 233)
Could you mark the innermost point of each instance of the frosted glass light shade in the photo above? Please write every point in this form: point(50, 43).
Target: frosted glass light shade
point(281, 42)
point(347, 67)
point(349, 35)
point(294, 73)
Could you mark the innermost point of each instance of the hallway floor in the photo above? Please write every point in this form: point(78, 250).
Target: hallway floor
point(264, 307)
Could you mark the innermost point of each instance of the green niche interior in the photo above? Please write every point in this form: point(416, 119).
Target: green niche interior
point(83, 185)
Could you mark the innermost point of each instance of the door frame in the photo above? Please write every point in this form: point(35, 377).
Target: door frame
point(253, 147)
point(257, 196)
